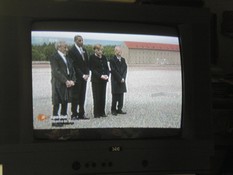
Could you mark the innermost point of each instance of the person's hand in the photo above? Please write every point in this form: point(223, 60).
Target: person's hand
point(72, 83)
point(85, 77)
point(104, 77)
point(122, 80)
point(69, 83)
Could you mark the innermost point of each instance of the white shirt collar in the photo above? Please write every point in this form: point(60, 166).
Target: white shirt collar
point(65, 61)
point(62, 55)
point(79, 48)
point(119, 58)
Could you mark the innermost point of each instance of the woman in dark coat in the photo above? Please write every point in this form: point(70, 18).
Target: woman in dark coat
point(63, 78)
point(99, 78)
point(118, 77)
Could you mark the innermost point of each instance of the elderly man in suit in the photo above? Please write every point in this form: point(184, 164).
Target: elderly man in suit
point(118, 76)
point(63, 78)
point(79, 56)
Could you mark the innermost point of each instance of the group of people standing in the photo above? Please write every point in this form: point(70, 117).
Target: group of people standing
point(71, 69)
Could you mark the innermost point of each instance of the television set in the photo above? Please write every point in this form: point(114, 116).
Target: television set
point(167, 128)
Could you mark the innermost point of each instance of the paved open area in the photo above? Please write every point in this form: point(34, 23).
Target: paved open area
point(153, 99)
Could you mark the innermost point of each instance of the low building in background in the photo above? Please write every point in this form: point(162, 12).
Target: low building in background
point(151, 53)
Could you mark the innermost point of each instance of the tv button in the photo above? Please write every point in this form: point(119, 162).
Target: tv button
point(76, 165)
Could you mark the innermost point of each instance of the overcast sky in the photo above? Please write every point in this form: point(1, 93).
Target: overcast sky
point(110, 36)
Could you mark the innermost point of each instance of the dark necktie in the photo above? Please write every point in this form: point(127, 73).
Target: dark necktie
point(66, 62)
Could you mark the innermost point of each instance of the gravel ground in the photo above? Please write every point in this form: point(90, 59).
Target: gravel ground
point(153, 100)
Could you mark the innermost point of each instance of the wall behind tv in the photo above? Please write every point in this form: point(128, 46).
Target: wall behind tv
point(224, 58)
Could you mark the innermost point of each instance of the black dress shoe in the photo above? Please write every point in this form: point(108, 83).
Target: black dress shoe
point(104, 115)
point(121, 112)
point(74, 117)
point(83, 117)
point(114, 113)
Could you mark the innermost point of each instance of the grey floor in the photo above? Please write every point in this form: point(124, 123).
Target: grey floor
point(153, 100)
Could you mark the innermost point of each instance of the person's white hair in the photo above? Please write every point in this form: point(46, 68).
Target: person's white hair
point(59, 44)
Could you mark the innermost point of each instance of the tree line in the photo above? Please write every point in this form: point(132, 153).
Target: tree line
point(45, 51)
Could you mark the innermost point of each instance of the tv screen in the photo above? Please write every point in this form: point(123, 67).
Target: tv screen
point(152, 88)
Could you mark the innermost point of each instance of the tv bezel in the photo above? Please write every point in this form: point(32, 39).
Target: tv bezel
point(189, 153)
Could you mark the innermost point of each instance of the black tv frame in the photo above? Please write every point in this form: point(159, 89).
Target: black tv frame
point(19, 152)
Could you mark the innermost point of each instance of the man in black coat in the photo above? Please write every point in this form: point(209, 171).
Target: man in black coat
point(63, 78)
point(79, 57)
point(118, 76)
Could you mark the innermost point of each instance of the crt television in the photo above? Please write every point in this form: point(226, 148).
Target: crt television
point(167, 128)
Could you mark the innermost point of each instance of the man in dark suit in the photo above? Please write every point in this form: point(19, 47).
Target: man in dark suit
point(79, 57)
point(63, 78)
point(118, 76)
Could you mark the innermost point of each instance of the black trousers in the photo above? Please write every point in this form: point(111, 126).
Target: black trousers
point(56, 108)
point(78, 98)
point(117, 102)
point(99, 96)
